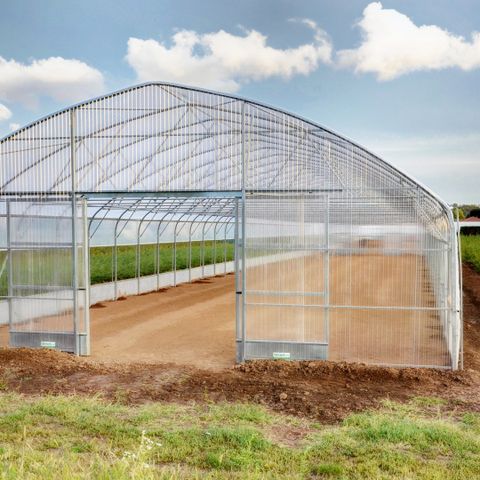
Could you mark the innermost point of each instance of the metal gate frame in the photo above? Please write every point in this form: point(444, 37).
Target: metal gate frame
point(248, 349)
point(77, 338)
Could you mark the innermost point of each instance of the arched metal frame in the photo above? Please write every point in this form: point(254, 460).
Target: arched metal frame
point(311, 209)
point(147, 211)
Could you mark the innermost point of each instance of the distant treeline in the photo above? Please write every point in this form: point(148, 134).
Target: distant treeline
point(465, 211)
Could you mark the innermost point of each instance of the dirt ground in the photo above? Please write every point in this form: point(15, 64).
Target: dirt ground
point(191, 324)
point(326, 391)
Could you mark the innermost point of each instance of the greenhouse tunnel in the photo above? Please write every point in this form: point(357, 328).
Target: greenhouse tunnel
point(337, 254)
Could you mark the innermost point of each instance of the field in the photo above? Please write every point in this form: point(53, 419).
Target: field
point(471, 250)
point(73, 437)
point(128, 412)
point(101, 259)
point(64, 417)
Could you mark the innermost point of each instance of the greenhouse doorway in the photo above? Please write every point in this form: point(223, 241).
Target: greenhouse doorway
point(111, 249)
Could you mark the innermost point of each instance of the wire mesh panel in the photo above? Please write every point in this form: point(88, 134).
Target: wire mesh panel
point(286, 276)
point(45, 276)
point(382, 302)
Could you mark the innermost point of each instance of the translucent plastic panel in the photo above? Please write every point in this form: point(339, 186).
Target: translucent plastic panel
point(390, 337)
point(46, 272)
point(286, 268)
point(293, 323)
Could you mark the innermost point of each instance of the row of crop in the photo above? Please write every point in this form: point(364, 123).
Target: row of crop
point(36, 270)
point(150, 259)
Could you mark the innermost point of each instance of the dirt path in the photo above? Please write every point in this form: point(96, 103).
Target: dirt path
point(191, 324)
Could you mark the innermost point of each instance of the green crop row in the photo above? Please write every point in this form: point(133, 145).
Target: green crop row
point(54, 267)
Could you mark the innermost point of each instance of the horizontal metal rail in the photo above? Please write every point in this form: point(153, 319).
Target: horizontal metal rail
point(293, 342)
point(348, 307)
point(285, 293)
point(41, 299)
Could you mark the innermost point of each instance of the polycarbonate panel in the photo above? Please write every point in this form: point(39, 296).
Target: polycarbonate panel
point(43, 298)
point(390, 337)
point(286, 268)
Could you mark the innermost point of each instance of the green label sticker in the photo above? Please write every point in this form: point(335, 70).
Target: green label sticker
point(46, 344)
point(281, 355)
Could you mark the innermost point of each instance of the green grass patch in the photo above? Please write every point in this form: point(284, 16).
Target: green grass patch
point(471, 250)
point(80, 438)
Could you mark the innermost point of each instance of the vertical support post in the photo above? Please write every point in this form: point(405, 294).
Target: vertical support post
point(190, 253)
point(447, 288)
point(244, 276)
point(303, 246)
point(450, 312)
point(86, 275)
point(215, 249)
point(157, 262)
point(9, 269)
point(202, 250)
point(455, 293)
point(73, 175)
point(174, 259)
point(115, 262)
point(326, 277)
point(238, 293)
point(225, 250)
point(460, 281)
point(138, 258)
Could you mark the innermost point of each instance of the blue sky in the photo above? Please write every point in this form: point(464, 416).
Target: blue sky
point(400, 77)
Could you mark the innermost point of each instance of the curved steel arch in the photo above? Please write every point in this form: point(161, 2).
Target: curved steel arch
point(129, 107)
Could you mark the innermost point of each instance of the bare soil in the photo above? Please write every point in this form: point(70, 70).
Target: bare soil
point(326, 391)
point(191, 324)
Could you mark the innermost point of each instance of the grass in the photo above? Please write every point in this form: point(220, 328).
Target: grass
point(48, 267)
point(471, 250)
point(80, 438)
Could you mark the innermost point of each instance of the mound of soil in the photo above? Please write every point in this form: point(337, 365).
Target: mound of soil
point(326, 391)
point(323, 390)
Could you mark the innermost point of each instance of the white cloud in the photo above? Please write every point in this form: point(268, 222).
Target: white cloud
point(223, 61)
point(393, 45)
point(5, 113)
point(14, 126)
point(56, 77)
